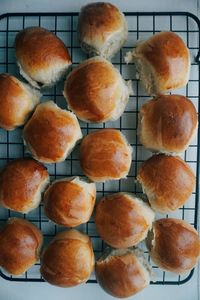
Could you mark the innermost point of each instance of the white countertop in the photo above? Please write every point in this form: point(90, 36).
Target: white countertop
point(40, 291)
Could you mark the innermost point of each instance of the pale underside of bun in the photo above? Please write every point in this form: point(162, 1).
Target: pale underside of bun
point(47, 76)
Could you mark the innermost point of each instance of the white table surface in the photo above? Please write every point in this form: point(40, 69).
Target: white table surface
point(40, 291)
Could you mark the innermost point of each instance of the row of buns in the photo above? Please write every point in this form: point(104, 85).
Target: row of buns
point(96, 92)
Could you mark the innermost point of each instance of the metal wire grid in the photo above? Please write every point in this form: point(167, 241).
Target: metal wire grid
point(141, 26)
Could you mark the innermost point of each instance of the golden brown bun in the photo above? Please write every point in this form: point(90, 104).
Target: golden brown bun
point(162, 61)
point(21, 183)
point(167, 181)
point(70, 201)
point(51, 133)
point(68, 260)
point(42, 57)
point(168, 124)
point(20, 244)
point(105, 155)
point(122, 272)
point(17, 101)
point(174, 245)
point(102, 29)
point(122, 220)
point(95, 91)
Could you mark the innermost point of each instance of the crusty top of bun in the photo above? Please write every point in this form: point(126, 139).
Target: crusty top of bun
point(122, 272)
point(39, 49)
point(167, 181)
point(95, 91)
point(68, 260)
point(20, 244)
point(98, 21)
point(105, 155)
point(174, 245)
point(169, 59)
point(17, 100)
point(51, 133)
point(70, 201)
point(21, 184)
point(122, 220)
point(168, 123)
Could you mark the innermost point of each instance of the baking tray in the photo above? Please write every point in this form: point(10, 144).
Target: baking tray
point(141, 26)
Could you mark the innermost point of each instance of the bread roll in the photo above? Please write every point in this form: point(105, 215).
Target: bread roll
point(68, 260)
point(167, 181)
point(162, 62)
point(22, 182)
point(167, 124)
point(20, 244)
point(70, 201)
point(174, 245)
point(51, 133)
point(105, 155)
point(122, 272)
point(102, 29)
point(123, 220)
point(17, 101)
point(41, 56)
point(96, 92)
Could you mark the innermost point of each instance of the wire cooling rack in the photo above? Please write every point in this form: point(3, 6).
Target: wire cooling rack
point(141, 26)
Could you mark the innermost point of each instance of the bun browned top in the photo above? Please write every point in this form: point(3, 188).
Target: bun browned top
point(21, 183)
point(17, 101)
point(174, 245)
point(167, 181)
point(105, 155)
point(41, 55)
point(20, 244)
point(167, 124)
point(51, 133)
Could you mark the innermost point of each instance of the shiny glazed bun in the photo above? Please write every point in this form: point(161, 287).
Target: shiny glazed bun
point(167, 181)
point(42, 57)
point(17, 101)
point(122, 272)
point(162, 62)
point(102, 29)
point(105, 155)
point(122, 220)
point(68, 260)
point(20, 244)
point(51, 133)
point(174, 245)
point(96, 92)
point(70, 201)
point(167, 124)
point(22, 182)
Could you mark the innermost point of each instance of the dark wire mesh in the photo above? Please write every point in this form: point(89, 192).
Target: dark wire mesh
point(141, 26)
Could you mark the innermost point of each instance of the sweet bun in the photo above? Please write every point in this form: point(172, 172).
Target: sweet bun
point(105, 155)
point(68, 260)
point(42, 57)
point(122, 272)
point(51, 133)
point(20, 244)
point(17, 101)
point(167, 124)
point(96, 92)
point(122, 220)
point(70, 201)
point(167, 181)
point(162, 62)
point(22, 182)
point(102, 29)
point(174, 245)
